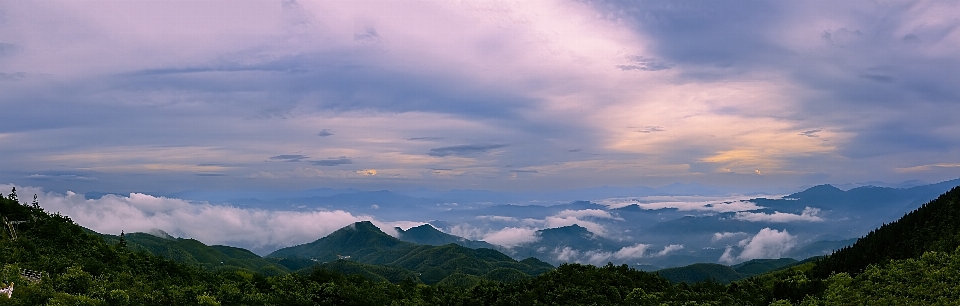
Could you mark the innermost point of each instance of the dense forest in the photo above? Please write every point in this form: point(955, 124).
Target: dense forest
point(53, 261)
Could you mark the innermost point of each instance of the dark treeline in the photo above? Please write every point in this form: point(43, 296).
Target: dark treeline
point(81, 268)
point(935, 226)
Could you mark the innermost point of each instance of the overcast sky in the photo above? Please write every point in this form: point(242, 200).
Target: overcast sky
point(165, 96)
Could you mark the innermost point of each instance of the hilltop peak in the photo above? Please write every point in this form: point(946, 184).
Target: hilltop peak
point(422, 227)
point(565, 232)
point(575, 228)
point(430, 235)
point(819, 191)
point(358, 238)
point(364, 226)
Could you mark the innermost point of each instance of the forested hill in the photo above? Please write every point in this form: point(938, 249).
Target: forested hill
point(935, 226)
point(365, 243)
point(700, 272)
point(193, 252)
point(914, 260)
point(79, 268)
point(361, 241)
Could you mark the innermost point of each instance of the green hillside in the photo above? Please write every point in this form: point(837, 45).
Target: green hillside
point(931, 279)
point(935, 226)
point(79, 268)
point(190, 251)
point(911, 261)
point(701, 272)
point(362, 241)
point(365, 243)
point(760, 266)
point(371, 272)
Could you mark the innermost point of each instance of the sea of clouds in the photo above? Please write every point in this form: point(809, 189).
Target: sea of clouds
point(263, 231)
point(256, 229)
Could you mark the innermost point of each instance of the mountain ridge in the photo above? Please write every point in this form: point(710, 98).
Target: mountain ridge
point(430, 235)
point(365, 243)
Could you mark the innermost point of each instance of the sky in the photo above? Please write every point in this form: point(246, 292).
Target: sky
point(166, 96)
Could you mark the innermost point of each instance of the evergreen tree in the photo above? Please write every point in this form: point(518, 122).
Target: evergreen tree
point(123, 241)
point(13, 195)
point(935, 226)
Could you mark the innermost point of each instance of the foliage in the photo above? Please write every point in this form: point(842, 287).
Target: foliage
point(935, 226)
point(932, 279)
point(390, 274)
point(364, 243)
point(700, 272)
point(760, 266)
point(82, 269)
point(190, 251)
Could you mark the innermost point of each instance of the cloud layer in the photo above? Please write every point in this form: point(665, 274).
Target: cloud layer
point(259, 230)
point(596, 257)
point(809, 214)
point(767, 243)
point(570, 93)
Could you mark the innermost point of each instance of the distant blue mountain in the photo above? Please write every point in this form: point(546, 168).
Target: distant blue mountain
point(839, 215)
point(574, 236)
point(884, 202)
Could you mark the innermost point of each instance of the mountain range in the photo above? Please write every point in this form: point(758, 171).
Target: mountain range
point(817, 221)
point(912, 260)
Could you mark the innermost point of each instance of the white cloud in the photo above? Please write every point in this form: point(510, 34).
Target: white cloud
point(571, 217)
point(256, 229)
point(719, 204)
point(586, 213)
point(630, 252)
point(527, 228)
point(497, 218)
point(598, 257)
point(531, 222)
point(404, 225)
point(512, 236)
point(767, 243)
point(566, 254)
point(808, 214)
point(526, 231)
point(719, 207)
point(466, 231)
point(670, 249)
point(725, 235)
point(728, 256)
